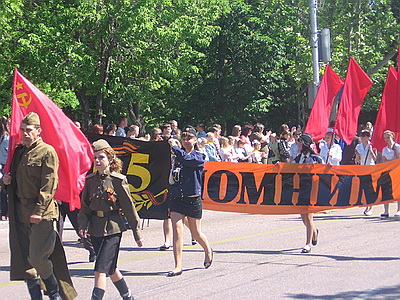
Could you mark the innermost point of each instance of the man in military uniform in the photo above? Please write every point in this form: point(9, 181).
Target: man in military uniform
point(32, 184)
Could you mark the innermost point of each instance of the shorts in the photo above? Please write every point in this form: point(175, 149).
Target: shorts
point(107, 249)
point(187, 206)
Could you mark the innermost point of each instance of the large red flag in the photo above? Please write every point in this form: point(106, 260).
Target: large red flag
point(73, 148)
point(396, 116)
point(318, 122)
point(356, 87)
point(388, 116)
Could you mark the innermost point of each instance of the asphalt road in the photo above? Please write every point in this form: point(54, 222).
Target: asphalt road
point(256, 257)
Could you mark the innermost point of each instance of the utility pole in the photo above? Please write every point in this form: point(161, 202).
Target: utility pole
point(314, 46)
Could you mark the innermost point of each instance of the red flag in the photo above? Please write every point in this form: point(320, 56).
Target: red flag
point(318, 122)
point(73, 148)
point(356, 87)
point(387, 117)
point(396, 125)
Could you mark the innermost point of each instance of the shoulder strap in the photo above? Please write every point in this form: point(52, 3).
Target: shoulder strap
point(366, 156)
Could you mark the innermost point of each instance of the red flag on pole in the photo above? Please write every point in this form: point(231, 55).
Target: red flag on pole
point(318, 122)
point(74, 150)
point(356, 87)
point(387, 117)
point(396, 125)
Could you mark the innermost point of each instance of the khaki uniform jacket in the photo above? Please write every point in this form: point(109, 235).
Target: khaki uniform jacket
point(34, 173)
point(102, 198)
point(34, 182)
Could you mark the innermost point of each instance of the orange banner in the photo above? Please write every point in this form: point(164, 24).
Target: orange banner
point(297, 188)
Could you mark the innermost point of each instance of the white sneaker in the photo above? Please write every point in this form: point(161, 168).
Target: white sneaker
point(397, 214)
point(368, 213)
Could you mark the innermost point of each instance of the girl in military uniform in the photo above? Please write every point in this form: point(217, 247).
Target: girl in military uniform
point(105, 195)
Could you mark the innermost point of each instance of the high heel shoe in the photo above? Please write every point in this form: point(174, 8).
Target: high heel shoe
point(315, 241)
point(208, 264)
point(173, 274)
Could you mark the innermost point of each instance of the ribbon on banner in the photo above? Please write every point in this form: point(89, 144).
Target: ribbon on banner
point(146, 166)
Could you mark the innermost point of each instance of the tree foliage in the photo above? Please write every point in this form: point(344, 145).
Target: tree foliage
point(225, 61)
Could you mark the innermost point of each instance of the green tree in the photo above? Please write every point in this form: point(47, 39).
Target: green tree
point(252, 66)
point(114, 57)
point(225, 61)
point(368, 31)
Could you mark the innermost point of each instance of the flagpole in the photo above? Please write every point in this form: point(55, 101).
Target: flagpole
point(314, 47)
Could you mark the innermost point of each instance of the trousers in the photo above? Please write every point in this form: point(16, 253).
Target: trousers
point(37, 243)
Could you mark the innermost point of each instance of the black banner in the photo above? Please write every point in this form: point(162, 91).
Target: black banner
point(146, 166)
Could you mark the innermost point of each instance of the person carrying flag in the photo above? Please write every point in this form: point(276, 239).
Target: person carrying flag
point(36, 251)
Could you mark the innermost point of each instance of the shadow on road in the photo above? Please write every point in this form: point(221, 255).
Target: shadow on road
point(4, 268)
point(381, 293)
point(332, 216)
point(128, 273)
point(88, 273)
point(291, 252)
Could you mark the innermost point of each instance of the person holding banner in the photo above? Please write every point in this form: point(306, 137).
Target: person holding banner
point(390, 152)
point(307, 155)
point(186, 200)
point(365, 155)
point(105, 194)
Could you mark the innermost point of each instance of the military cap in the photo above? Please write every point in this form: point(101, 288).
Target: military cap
point(190, 130)
point(100, 144)
point(297, 132)
point(307, 139)
point(31, 119)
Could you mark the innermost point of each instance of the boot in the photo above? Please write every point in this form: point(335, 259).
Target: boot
point(123, 289)
point(52, 288)
point(97, 294)
point(34, 289)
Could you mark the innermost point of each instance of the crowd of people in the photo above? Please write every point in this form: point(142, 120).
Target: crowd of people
point(33, 238)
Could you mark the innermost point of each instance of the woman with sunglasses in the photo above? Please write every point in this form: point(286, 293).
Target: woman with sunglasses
point(307, 155)
point(186, 199)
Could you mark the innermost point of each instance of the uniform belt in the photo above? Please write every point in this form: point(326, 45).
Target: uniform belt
point(102, 214)
point(26, 201)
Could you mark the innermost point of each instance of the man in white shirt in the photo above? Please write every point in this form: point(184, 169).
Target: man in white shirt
point(330, 152)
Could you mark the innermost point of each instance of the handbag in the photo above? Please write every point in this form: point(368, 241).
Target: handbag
point(174, 174)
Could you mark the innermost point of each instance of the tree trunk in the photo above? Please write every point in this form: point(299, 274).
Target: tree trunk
point(382, 63)
point(106, 48)
point(134, 115)
point(84, 102)
point(103, 78)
